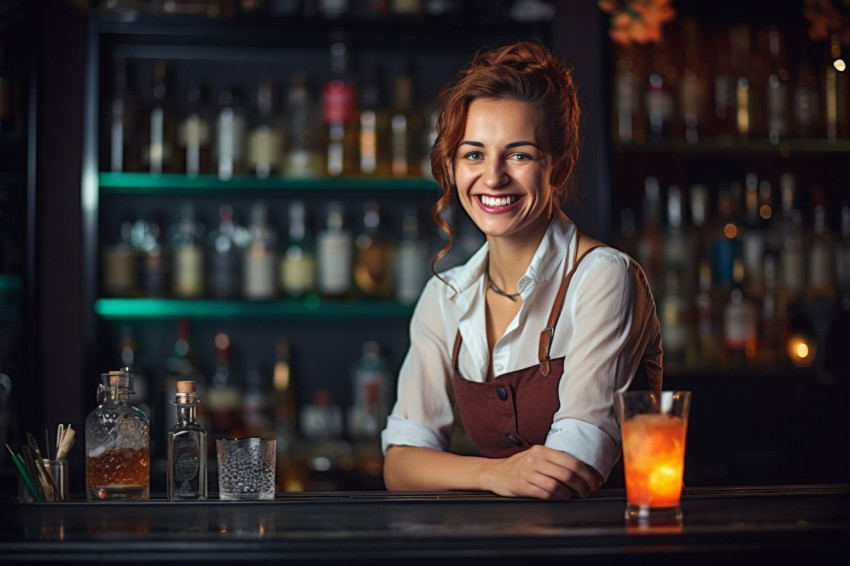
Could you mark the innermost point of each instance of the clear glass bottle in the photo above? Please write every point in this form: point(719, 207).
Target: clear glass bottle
point(335, 252)
point(160, 150)
point(188, 272)
point(225, 277)
point(303, 138)
point(259, 277)
point(374, 256)
point(187, 448)
point(298, 258)
point(407, 124)
point(230, 130)
point(413, 266)
point(339, 111)
point(265, 140)
point(195, 131)
point(117, 446)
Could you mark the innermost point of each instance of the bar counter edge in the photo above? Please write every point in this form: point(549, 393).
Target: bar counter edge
point(732, 524)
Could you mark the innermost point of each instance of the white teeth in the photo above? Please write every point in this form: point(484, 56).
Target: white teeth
point(503, 201)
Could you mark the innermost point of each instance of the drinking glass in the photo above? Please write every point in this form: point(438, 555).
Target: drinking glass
point(246, 468)
point(654, 426)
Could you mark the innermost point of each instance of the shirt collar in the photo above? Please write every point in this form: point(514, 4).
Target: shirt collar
point(558, 242)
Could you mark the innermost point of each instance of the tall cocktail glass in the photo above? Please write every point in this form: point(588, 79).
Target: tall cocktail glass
point(654, 426)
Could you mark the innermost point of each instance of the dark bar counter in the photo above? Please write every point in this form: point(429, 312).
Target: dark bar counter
point(727, 525)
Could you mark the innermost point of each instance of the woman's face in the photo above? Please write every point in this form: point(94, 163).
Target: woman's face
point(501, 169)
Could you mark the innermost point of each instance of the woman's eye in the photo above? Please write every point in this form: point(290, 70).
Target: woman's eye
point(520, 157)
point(472, 155)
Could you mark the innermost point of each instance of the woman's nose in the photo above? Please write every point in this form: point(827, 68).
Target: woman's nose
point(495, 174)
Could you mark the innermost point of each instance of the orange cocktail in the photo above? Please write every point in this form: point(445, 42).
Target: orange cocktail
point(654, 426)
point(654, 459)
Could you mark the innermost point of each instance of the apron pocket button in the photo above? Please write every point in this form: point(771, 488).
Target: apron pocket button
point(503, 395)
point(514, 440)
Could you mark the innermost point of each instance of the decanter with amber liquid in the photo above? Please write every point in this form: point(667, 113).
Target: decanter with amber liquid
point(117, 446)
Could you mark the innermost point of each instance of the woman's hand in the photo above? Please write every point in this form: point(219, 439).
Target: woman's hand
point(543, 473)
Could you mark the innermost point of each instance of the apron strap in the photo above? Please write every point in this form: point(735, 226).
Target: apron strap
point(546, 334)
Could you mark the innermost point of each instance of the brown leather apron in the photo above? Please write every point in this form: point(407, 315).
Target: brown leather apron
point(514, 411)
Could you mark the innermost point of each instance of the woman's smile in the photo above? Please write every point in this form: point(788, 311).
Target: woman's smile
point(502, 168)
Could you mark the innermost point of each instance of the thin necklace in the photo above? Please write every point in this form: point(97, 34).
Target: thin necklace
point(511, 296)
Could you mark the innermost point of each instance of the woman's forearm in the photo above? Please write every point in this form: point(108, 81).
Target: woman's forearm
point(411, 468)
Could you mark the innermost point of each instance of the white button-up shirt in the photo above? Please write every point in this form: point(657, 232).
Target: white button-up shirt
point(607, 327)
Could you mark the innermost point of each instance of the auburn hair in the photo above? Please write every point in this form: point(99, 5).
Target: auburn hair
point(527, 72)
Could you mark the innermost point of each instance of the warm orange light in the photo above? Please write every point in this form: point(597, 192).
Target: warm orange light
point(802, 350)
point(839, 65)
point(730, 230)
point(654, 459)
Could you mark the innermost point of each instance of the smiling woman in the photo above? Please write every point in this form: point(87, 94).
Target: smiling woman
point(529, 341)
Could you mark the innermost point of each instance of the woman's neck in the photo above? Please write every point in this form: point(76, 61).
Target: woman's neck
point(510, 257)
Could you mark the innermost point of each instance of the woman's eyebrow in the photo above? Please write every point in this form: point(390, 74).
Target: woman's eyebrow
point(510, 145)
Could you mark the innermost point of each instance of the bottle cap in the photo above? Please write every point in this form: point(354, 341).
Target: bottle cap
point(186, 387)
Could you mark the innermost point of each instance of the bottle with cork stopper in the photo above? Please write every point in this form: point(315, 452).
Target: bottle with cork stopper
point(187, 448)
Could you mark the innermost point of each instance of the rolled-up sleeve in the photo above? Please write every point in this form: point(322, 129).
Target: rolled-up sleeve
point(603, 333)
point(423, 414)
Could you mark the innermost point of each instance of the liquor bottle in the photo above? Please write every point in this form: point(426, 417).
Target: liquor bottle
point(291, 467)
point(159, 154)
point(740, 324)
point(225, 256)
point(187, 448)
point(260, 257)
point(821, 253)
point(407, 125)
point(836, 92)
point(649, 243)
point(181, 365)
point(792, 260)
point(370, 379)
point(806, 102)
point(265, 141)
point(195, 132)
point(628, 113)
point(754, 236)
point(224, 396)
point(706, 314)
point(374, 147)
point(327, 450)
point(724, 88)
point(412, 262)
point(117, 458)
point(303, 123)
point(230, 132)
point(773, 315)
point(693, 86)
point(659, 96)
point(123, 148)
point(119, 263)
point(778, 90)
point(335, 255)
point(745, 100)
point(677, 249)
point(187, 271)
point(374, 256)
point(298, 260)
point(339, 113)
point(154, 256)
point(726, 243)
point(842, 257)
point(700, 227)
point(675, 321)
point(257, 409)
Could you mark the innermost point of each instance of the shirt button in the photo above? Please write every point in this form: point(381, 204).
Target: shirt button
point(503, 395)
point(499, 368)
point(513, 439)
